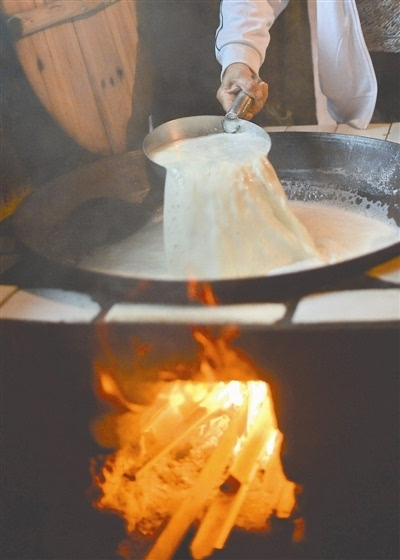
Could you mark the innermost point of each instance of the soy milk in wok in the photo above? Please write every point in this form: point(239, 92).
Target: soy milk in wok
point(226, 214)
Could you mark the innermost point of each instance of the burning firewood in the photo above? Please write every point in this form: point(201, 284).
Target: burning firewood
point(220, 518)
point(204, 410)
point(205, 485)
point(204, 453)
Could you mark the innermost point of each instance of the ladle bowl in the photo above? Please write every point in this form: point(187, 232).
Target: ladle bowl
point(193, 127)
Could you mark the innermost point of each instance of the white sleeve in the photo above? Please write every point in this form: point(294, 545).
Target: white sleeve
point(243, 32)
point(346, 73)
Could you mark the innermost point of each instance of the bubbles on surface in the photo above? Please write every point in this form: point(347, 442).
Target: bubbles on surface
point(307, 191)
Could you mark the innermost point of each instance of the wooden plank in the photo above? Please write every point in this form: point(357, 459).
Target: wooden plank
point(54, 65)
point(52, 13)
point(83, 71)
point(109, 48)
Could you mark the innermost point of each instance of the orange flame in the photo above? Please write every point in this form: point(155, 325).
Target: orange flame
point(201, 448)
point(201, 291)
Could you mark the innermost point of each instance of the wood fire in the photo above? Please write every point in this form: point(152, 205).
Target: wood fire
point(204, 453)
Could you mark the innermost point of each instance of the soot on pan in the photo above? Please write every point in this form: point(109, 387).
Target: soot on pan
point(94, 223)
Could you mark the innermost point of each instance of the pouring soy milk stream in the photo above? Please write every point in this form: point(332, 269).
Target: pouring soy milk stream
point(225, 212)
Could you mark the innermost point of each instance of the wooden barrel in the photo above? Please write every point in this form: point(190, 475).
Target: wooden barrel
point(80, 57)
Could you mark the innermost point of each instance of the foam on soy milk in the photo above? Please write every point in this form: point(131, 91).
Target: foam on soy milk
point(225, 212)
point(341, 233)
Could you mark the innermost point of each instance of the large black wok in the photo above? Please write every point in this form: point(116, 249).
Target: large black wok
point(106, 204)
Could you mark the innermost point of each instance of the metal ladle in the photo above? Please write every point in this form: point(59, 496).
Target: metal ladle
point(193, 127)
point(232, 121)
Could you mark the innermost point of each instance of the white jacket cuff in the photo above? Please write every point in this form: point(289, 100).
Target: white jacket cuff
point(237, 52)
point(243, 32)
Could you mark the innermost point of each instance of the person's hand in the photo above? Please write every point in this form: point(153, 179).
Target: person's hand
point(238, 77)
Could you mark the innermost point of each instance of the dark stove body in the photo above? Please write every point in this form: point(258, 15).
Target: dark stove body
point(336, 396)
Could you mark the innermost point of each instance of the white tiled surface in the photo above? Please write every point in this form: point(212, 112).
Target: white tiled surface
point(378, 131)
point(389, 271)
point(5, 292)
point(49, 305)
point(275, 128)
point(254, 314)
point(394, 133)
point(313, 128)
point(349, 306)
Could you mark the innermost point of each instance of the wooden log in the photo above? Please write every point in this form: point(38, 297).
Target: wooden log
point(168, 424)
point(254, 446)
point(220, 517)
point(205, 485)
point(287, 500)
point(282, 491)
point(204, 410)
point(52, 13)
point(208, 533)
point(167, 399)
point(274, 477)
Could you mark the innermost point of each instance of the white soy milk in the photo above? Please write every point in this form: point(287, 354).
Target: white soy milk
point(234, 224)
point(340, 234)
point(225, 211)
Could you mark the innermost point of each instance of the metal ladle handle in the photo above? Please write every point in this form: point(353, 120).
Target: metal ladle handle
point(231, 121)
point(240, 106)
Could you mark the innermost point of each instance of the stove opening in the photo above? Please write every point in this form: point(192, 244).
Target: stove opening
point(195, 447)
